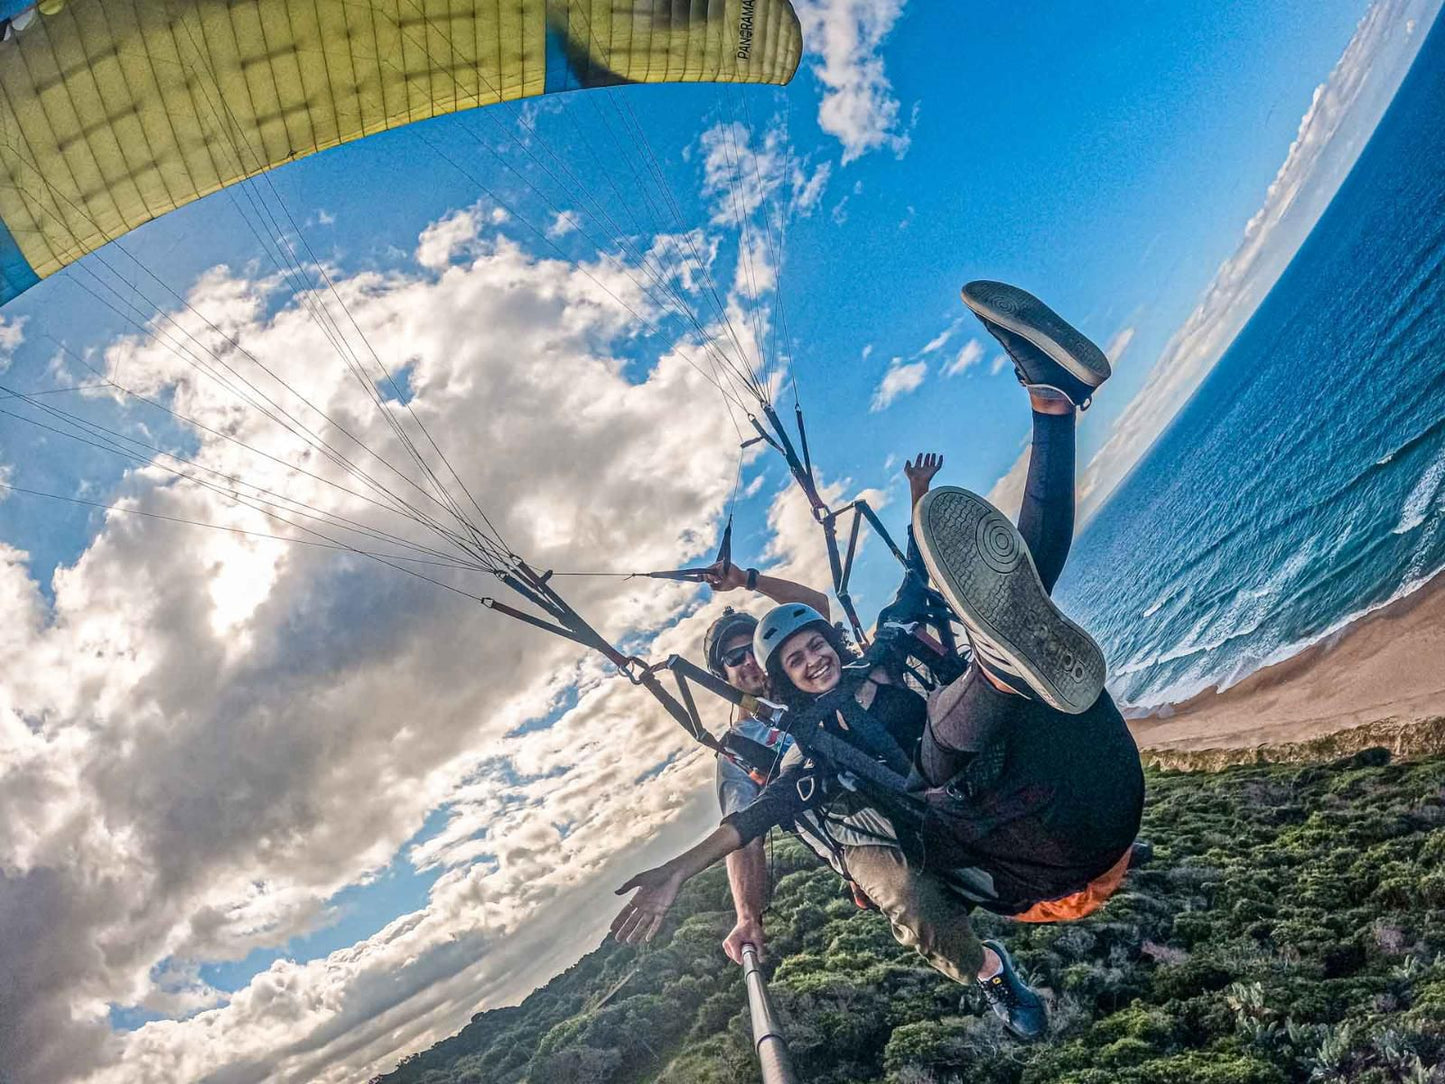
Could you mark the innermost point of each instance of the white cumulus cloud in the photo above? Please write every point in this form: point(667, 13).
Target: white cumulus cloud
point(900, 379)
point(12, 334)
point(747, 172)
point(969, 356)
point(442, 241)
point(563, 223)
point(206, 735)
point(859, 107)
point(939, 341)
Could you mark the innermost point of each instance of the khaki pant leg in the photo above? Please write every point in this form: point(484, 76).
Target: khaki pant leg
point(926, 917)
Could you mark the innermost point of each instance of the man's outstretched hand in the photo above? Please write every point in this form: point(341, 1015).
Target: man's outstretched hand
point(748, 931)
point(920, 472)
point(642, 917)
point(725, 576)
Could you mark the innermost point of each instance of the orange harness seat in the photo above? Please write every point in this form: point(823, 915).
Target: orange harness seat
point(1083, 902)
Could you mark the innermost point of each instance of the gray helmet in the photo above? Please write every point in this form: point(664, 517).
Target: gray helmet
point(778, 624)
point(730, 624)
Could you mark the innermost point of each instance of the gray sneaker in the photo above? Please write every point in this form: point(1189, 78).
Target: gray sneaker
point(1047, 351)
point(979, 561)
point(1021, 1010)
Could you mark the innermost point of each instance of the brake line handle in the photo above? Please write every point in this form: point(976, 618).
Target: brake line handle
point(772, 1049)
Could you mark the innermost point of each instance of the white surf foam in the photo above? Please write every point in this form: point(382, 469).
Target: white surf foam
point(1155, 701)
point(1423, 499)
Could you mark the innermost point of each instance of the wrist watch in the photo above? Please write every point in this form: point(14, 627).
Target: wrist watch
point(752, 579)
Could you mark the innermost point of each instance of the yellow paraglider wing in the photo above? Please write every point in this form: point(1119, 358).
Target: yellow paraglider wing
point(117, 111)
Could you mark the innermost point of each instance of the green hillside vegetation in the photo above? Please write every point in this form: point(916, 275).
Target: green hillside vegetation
point(1291, 928)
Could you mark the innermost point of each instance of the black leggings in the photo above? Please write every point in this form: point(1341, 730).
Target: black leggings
point(1046, 517)
point(960, 726)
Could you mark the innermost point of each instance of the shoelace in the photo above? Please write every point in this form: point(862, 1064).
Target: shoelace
point(1000, 991)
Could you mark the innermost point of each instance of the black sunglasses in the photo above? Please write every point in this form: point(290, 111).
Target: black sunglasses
point(736, 656)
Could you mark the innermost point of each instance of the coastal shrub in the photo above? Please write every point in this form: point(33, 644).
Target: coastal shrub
point(1291, 928)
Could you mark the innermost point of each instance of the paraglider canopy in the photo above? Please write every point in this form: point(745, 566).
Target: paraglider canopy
point(117, 111)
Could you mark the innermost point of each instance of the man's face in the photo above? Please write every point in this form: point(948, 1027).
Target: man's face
point(739, 666)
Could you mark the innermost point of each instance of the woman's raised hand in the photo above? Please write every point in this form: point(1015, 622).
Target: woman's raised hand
point(924, 467)
point(920, 472)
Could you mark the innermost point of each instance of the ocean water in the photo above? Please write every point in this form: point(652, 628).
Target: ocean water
point(1304, 484)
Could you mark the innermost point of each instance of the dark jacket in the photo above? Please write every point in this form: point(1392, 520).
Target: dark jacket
point(1043, 804)
point(1057, 803)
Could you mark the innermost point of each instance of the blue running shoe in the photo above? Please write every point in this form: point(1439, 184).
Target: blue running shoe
point(1021, 1010)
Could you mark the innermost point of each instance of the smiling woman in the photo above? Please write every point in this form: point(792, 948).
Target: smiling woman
point(249, 766)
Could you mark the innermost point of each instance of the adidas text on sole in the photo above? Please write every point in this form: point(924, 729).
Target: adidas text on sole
point(978, 559)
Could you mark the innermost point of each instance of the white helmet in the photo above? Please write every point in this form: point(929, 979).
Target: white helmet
point(778, 624)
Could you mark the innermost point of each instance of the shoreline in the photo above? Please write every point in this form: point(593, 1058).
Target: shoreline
point(1383, 668)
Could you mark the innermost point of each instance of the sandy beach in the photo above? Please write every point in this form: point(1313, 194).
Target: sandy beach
point(1387, 666)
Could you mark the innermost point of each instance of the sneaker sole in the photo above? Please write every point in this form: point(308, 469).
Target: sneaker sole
point(1025, 315)
point(978, 559)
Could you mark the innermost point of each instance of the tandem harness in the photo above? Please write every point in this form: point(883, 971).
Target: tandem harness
point(868, 761)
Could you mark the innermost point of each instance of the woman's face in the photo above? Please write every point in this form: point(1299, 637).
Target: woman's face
point(810, 662)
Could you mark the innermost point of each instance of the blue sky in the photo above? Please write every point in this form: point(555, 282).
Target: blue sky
point(1108, 159)
point(317, 811)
